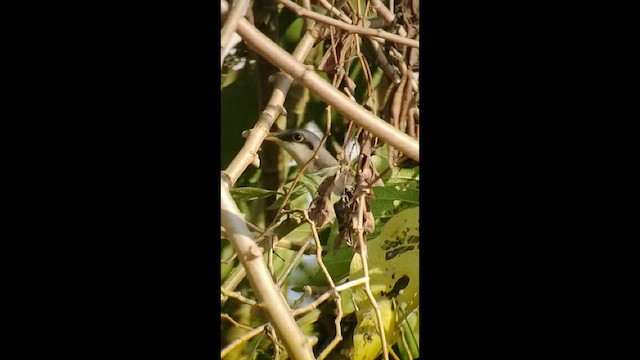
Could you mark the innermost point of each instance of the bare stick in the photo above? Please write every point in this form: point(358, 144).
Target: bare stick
point(237, 296)
point(383, 11)
point(354, 29)
point(274, 305)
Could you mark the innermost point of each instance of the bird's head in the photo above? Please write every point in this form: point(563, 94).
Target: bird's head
point(301, 144)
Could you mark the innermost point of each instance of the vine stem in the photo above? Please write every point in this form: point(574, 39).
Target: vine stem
point(365, 269)
point(336, 340)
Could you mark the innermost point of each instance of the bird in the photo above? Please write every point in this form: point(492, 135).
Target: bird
point(301, 144)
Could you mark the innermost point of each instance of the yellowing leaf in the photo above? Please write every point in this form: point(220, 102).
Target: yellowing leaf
point(394, 274)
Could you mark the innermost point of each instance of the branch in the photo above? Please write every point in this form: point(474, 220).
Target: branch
point(353, 111)
point(335, 11)
point(382, 10)
point(244, 338)
point(267, 293)
point(238, 10)
point(354, 29)
point(249, 150)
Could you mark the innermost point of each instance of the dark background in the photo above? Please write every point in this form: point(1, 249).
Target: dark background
point(116, 159)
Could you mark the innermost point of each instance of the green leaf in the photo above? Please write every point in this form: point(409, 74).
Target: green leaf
point(250, 193)
point(398, 192)
point(412, 333)
point(382, 208)
point(406, 174)
point(292, 34)
point(381, 163)
point(311, 182)
point(298, 192)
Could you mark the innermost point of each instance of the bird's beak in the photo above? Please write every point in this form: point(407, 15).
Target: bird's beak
point(273, 137)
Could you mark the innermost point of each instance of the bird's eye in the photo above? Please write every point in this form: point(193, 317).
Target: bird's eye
point(298, 137)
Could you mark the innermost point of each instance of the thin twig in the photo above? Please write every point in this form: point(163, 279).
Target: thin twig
point(235, 278)
point(393, 354)
point(404, 109)
point(307, 291)
point(274, 339)
point(300, 11)
point(336, 340)
point(235, 323)
point(293, 263)
point(322, 298)
point(335, 11)
point(404, 343)
point(243, 339)
point(403, 67)
point(365, 268)
point(312, 306)
point(237, 296)
point(309, 249)
point(270, 259)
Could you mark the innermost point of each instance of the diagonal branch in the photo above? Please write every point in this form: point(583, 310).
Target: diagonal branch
point(238, 10)
point(271, 112)
point(329, 94)
point(268, 294)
